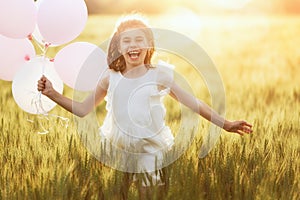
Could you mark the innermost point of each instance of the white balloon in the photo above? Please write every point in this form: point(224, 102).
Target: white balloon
point(24, 85)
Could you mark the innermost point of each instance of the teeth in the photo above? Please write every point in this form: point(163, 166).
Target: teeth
point(133, 52)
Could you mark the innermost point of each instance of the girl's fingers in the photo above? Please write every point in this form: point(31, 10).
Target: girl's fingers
point(242, 127)
point(247, 129)
point(41, 86)
point(40, 89)
point(43, 78)
point(240, 132)
point(247, 124)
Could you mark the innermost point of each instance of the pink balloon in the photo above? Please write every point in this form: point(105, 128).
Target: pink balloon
point(36, 35)
point(61, 21)
point(17, 18)
point(13, 54)
point(80, 65)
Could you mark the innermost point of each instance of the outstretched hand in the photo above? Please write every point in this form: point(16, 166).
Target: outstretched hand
point(239, 127)
point(45, 86)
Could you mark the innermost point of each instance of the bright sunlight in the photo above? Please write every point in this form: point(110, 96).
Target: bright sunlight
point(230, 4)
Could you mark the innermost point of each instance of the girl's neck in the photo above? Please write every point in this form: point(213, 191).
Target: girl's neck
point(134, 71)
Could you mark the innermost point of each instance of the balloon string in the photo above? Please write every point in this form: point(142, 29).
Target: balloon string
point(63, 121)
point(40, 46)
point(37, 99)
point(43, 48)
point(42, 114)
point(40, 105)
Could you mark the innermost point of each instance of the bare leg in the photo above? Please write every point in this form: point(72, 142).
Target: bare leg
point(153, 187)
point(145, 193)
point(161, 192)
point(127, 180)
point(158, 192)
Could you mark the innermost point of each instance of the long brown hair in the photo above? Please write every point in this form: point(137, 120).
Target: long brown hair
point(115, 59)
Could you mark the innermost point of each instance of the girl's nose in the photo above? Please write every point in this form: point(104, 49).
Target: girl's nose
point(133, 44)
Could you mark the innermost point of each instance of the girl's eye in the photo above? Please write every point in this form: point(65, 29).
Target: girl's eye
point(126, 41)
point(139, 40)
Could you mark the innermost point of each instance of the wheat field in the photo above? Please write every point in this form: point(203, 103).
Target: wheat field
point(258, 63)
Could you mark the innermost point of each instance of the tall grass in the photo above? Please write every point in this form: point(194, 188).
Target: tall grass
point(259, 69)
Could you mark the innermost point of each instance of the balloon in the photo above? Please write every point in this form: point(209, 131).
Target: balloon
point(80, 65)
point(24, 86)
point(17, 18)
point(13, 54)
point(61, 21)
point(37, 36)
point(36, 33)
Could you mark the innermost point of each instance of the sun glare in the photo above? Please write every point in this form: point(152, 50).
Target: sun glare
point(229, 4)
point(182, 20)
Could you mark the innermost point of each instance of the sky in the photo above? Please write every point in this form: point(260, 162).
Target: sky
point(202, 7)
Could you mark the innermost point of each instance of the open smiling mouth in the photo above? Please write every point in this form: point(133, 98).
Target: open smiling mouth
point(133, 54)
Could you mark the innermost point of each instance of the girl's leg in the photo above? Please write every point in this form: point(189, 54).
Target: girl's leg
point(127, 181)
point(144, 192)
point(152, 186)
point(158, 192)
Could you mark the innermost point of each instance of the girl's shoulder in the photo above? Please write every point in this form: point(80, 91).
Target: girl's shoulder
point(105, 78)
point(165, 72)
point(164, 68)
point(165, 64)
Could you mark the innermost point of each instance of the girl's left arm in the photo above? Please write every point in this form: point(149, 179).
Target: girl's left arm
point(241, 127)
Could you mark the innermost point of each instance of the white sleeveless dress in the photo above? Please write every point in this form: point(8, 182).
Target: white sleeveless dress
point(134, 124)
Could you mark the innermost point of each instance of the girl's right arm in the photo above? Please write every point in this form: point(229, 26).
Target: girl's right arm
point(78, 108)
point(238, 126)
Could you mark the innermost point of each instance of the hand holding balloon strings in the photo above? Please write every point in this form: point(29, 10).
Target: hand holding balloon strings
point(37, 99)
point(33, 21)
point(47, 32)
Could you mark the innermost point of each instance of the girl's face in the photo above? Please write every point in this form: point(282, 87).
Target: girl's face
point(133, 46)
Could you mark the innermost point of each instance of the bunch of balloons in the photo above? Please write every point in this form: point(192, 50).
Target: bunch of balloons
point(49, 23)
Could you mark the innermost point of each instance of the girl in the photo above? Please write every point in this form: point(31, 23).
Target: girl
point(135, 115)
